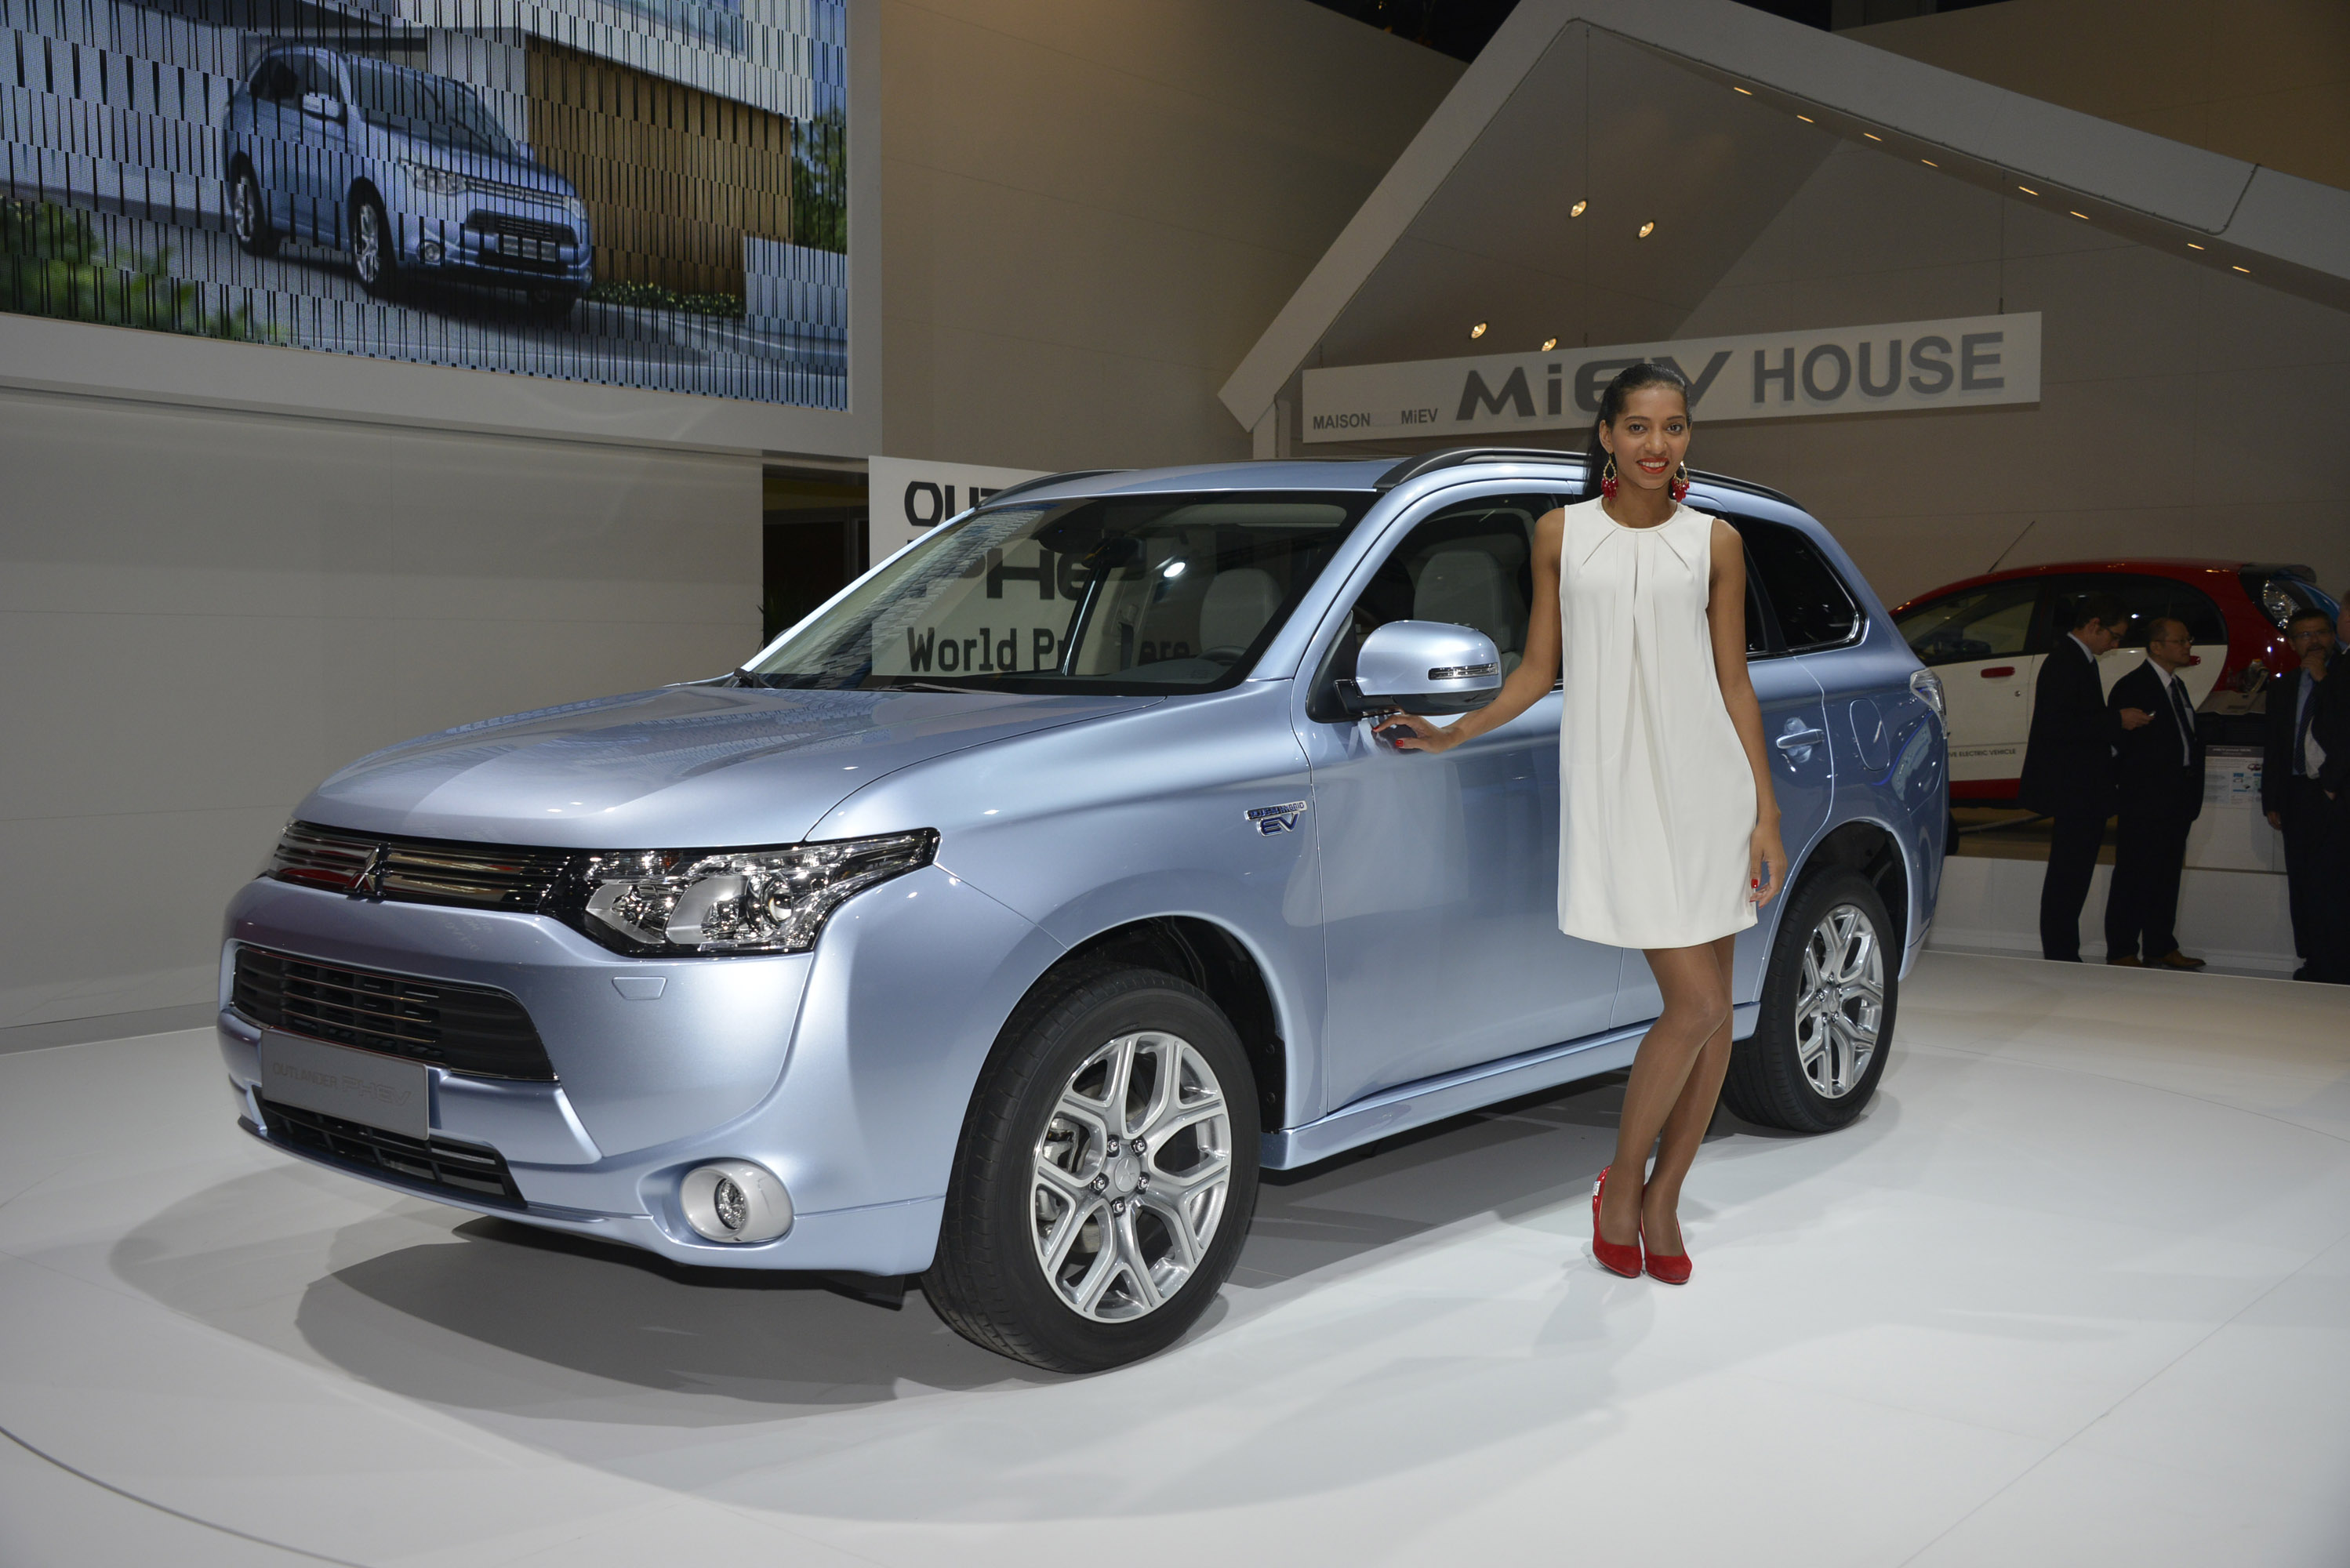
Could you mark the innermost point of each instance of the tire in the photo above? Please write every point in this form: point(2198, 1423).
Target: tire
point(375, 250)
point(1814, 1059)
point(248, 215)
point(1042, 1255)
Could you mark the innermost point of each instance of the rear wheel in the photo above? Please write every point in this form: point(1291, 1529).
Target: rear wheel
point(1106, 1175)
point(1826, 1024)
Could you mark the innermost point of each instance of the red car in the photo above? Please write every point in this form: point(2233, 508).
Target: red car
point(1986, 636)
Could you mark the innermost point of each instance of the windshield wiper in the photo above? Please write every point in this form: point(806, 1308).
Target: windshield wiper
point(933, 686)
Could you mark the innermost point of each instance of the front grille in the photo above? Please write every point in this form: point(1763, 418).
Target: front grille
point(511, 226)
point(417, 870)
point(477, 1172)
point(470, 1029)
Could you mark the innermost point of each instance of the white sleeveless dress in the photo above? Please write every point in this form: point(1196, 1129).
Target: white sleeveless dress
point(1656, 806)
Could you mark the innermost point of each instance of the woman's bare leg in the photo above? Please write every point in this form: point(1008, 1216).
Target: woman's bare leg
point(1685, 1127)
point(1695, 982)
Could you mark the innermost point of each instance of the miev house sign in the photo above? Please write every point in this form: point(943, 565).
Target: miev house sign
point(1964, 363)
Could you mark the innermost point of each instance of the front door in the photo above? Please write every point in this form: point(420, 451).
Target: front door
point(1440, 888)
point(1977, 639)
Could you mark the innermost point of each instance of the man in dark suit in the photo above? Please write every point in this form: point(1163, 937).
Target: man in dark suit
point(2068, 766)
point(2291, 759)
point(2329, 958)
point(2158, 777)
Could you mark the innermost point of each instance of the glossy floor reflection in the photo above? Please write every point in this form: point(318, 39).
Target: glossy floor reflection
point(2076, 1289)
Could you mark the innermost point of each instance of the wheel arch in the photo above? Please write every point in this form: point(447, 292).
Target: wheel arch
point(1209, 955)
point(1874, 849)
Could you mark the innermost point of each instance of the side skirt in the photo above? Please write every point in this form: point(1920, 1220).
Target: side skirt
point(1409, 1106)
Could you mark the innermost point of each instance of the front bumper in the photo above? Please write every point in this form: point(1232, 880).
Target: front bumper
point(745, 1058)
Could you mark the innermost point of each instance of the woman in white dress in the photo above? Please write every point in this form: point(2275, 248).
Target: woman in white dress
point(1669, 832)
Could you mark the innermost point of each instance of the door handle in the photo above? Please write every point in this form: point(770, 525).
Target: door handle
point(1996, 671)
point(1800, 737)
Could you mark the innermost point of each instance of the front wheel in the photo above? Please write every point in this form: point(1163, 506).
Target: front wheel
point(248, 215)
point(374, 248)
point(1106, 1176)
point(1826, 1024)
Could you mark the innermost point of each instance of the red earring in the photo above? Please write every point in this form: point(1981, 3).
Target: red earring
point(1680, 483)
point(1607, 481)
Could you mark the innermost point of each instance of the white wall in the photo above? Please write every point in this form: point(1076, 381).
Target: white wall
point(1090, 211)
point(2184, 411)
point(202, 614)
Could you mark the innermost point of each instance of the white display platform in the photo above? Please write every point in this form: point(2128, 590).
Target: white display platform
point(2070, 1291)
point(2232, 901)
point(2235, 920)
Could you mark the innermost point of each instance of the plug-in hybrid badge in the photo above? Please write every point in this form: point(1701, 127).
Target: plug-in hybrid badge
point(1277, 818)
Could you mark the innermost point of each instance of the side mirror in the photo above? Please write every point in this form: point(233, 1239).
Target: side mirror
point(1422, 667)
point(322, 106)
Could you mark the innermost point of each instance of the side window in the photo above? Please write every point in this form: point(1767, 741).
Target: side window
point(1809, 601)
point(317, 77)
point(1993, 622)
point(1470, 564)
point(275, 82)
point(2147, 599)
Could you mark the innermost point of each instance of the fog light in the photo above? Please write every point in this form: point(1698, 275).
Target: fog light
point(429, 253)
point(734, 1201)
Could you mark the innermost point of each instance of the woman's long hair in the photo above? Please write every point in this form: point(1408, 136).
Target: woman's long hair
point(1628, 380)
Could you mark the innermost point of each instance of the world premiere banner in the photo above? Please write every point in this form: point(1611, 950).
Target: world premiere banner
point(1965, 362)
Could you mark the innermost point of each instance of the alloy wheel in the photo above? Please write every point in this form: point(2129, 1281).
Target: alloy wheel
point(1129, 1178)
point(244, 213)
point(1840, 1000)
point(366, 245)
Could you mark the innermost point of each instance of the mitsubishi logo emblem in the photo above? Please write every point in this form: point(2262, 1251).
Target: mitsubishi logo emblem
point(368, 883)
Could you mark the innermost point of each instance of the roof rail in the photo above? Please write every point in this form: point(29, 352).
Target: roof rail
point(1045, 479)
point(1430, 462)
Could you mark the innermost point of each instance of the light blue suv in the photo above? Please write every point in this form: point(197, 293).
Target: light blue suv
point(410, 173)
point(1000, 921)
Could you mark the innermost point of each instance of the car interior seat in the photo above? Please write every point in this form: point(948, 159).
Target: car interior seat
point(1234, 609)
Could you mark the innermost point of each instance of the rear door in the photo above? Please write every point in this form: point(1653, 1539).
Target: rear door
point(1978, 641)
point(1795, 604)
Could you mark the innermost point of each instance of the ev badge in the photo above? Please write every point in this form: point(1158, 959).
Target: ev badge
point(1272, 819)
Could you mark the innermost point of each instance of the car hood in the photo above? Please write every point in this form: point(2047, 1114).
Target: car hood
point(681, 767)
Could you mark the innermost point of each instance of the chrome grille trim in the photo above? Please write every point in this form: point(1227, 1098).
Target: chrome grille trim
point(424, 871)
point(318, 858)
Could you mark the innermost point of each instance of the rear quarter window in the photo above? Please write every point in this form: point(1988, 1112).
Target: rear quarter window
point(1809, 601)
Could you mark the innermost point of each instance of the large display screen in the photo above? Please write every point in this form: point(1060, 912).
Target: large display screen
point(634, 193)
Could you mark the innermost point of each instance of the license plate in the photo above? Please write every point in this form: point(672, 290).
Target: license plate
point(357, 1085)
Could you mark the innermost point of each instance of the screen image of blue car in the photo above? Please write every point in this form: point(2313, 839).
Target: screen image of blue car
point(642, 194)
point(409, 172)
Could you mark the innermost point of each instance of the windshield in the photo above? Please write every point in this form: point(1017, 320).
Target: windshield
point(1121, 595)
point(431, 108)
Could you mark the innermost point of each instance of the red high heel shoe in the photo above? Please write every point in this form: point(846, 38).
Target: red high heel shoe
point(1672, 1271)
point(1616, 1258)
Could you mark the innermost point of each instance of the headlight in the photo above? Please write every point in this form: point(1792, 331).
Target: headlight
point(434, 181)
point(576, 210)
point(736, 901)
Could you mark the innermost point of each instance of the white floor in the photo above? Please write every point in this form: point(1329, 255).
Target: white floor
point(2076, 1290)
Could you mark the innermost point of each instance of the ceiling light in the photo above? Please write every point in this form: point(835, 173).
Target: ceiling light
point(1872, 136)
point(1807, 119)
point(2245, 270)
point(1478, 330)
point(1929, 163)
point(1549, 344)
point(2193, 246)
point(2027, 190)
point(1576, 211)
point(1647, 228)
point(1748, 92)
